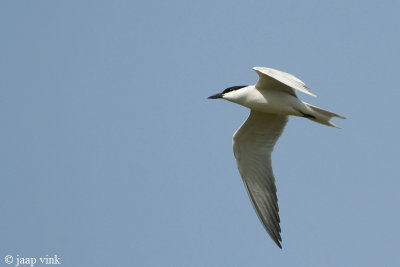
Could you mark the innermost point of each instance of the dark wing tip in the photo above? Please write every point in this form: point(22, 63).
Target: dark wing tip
point(278, 243)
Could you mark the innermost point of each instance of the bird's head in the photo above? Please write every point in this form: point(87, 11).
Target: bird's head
point(233, 94)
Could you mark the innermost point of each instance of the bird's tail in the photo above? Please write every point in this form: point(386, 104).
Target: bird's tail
point(322, 116)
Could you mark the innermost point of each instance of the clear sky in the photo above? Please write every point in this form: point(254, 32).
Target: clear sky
point(112, 155)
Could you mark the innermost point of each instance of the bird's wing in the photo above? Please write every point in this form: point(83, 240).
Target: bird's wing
point(253, 143)
point(271, 78)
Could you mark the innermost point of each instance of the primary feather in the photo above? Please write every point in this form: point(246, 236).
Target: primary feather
point(253, 143)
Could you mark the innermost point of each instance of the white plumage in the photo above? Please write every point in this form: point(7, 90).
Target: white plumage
point(271, 101)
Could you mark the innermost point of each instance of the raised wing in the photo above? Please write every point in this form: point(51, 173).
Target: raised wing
point(271, 78)
point(253, 143)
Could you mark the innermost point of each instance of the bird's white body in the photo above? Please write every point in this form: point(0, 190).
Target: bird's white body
point(275, 93)
point(267, 101)
point(271, 101)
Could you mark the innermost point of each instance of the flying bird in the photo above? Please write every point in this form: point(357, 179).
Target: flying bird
point(271, 101)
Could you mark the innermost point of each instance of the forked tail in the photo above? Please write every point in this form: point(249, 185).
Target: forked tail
point(322, 116)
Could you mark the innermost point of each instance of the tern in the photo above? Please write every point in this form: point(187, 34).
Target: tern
point(271, 101)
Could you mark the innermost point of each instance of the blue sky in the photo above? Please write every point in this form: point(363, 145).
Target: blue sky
point(111, 155)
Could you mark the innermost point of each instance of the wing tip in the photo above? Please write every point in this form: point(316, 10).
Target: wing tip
point(311, 93)
point(278, 242)
point(308, 91)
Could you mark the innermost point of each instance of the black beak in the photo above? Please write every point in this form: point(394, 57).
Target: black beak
point(215, 96)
